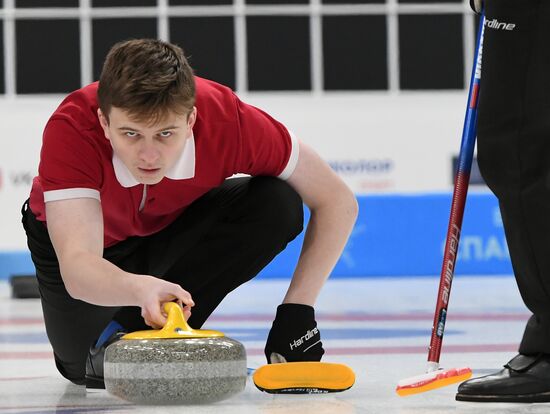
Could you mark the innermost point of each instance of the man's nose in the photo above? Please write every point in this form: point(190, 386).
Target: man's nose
point(149, 153)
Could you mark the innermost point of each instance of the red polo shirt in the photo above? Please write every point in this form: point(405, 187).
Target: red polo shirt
point(229, 137)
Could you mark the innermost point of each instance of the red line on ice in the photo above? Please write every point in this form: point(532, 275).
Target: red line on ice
point(350, 317)
point(332, 350)
point(383, 350)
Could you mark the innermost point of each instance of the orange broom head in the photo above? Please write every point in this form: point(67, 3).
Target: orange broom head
point(432, 381)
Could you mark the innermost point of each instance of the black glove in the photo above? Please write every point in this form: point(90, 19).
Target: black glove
point(294, 335)
point(476, 5)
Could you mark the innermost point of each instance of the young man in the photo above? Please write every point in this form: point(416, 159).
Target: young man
point(132, 208)
point(513, 154)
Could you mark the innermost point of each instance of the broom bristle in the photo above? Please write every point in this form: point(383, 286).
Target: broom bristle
point(432, 381)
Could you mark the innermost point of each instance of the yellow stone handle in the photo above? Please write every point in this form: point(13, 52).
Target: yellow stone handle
point(176, 327)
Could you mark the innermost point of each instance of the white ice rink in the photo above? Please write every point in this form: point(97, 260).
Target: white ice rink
point(379, 327)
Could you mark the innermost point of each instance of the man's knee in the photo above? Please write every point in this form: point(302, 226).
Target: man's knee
point(280, 205)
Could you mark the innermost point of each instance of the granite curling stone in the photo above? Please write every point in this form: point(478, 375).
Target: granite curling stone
point(175, 365)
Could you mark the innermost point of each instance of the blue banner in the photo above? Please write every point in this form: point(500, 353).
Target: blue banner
point(395, 235)
point(404, 235)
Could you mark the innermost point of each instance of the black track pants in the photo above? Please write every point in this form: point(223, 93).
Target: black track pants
point(514, 147)
point(221, 241)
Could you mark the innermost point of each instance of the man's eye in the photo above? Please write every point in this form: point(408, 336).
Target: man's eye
point(131, 134)
point(165, 134)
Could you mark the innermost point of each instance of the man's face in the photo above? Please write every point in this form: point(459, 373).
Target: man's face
point(148, 151)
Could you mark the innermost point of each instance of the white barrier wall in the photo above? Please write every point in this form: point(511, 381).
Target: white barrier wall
point(377, 142)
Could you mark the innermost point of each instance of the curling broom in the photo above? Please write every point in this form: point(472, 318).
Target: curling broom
point(436, 377)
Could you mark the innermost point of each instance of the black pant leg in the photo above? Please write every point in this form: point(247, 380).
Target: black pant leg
point(244, 224)
point(71, 325)
point(514, 148)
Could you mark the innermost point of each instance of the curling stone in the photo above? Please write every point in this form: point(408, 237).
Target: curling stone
point(175, 365)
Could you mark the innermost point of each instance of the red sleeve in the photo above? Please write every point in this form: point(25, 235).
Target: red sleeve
point(68, 159)
point(266, 146)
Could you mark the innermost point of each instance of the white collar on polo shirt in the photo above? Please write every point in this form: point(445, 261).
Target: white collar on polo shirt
point(183, 169)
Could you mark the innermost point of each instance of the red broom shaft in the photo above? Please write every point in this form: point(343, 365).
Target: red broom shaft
point(457, 207)
point(449, 263)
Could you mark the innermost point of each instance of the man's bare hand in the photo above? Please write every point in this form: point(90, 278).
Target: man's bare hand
point(153, 293)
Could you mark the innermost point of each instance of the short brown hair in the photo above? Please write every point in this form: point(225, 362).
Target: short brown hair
point(147, 78)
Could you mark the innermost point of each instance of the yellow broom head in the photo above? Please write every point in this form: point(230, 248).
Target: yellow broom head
point(432, 381)
point(303, 378)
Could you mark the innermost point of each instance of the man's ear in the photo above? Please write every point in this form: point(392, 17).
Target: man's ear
point(192, 118)
point(104, 122)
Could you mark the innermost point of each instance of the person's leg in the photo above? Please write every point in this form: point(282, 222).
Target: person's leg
point(223, 240)
point(514, 159)
point(514, 148)
point(72, 325)
point(257, 218)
